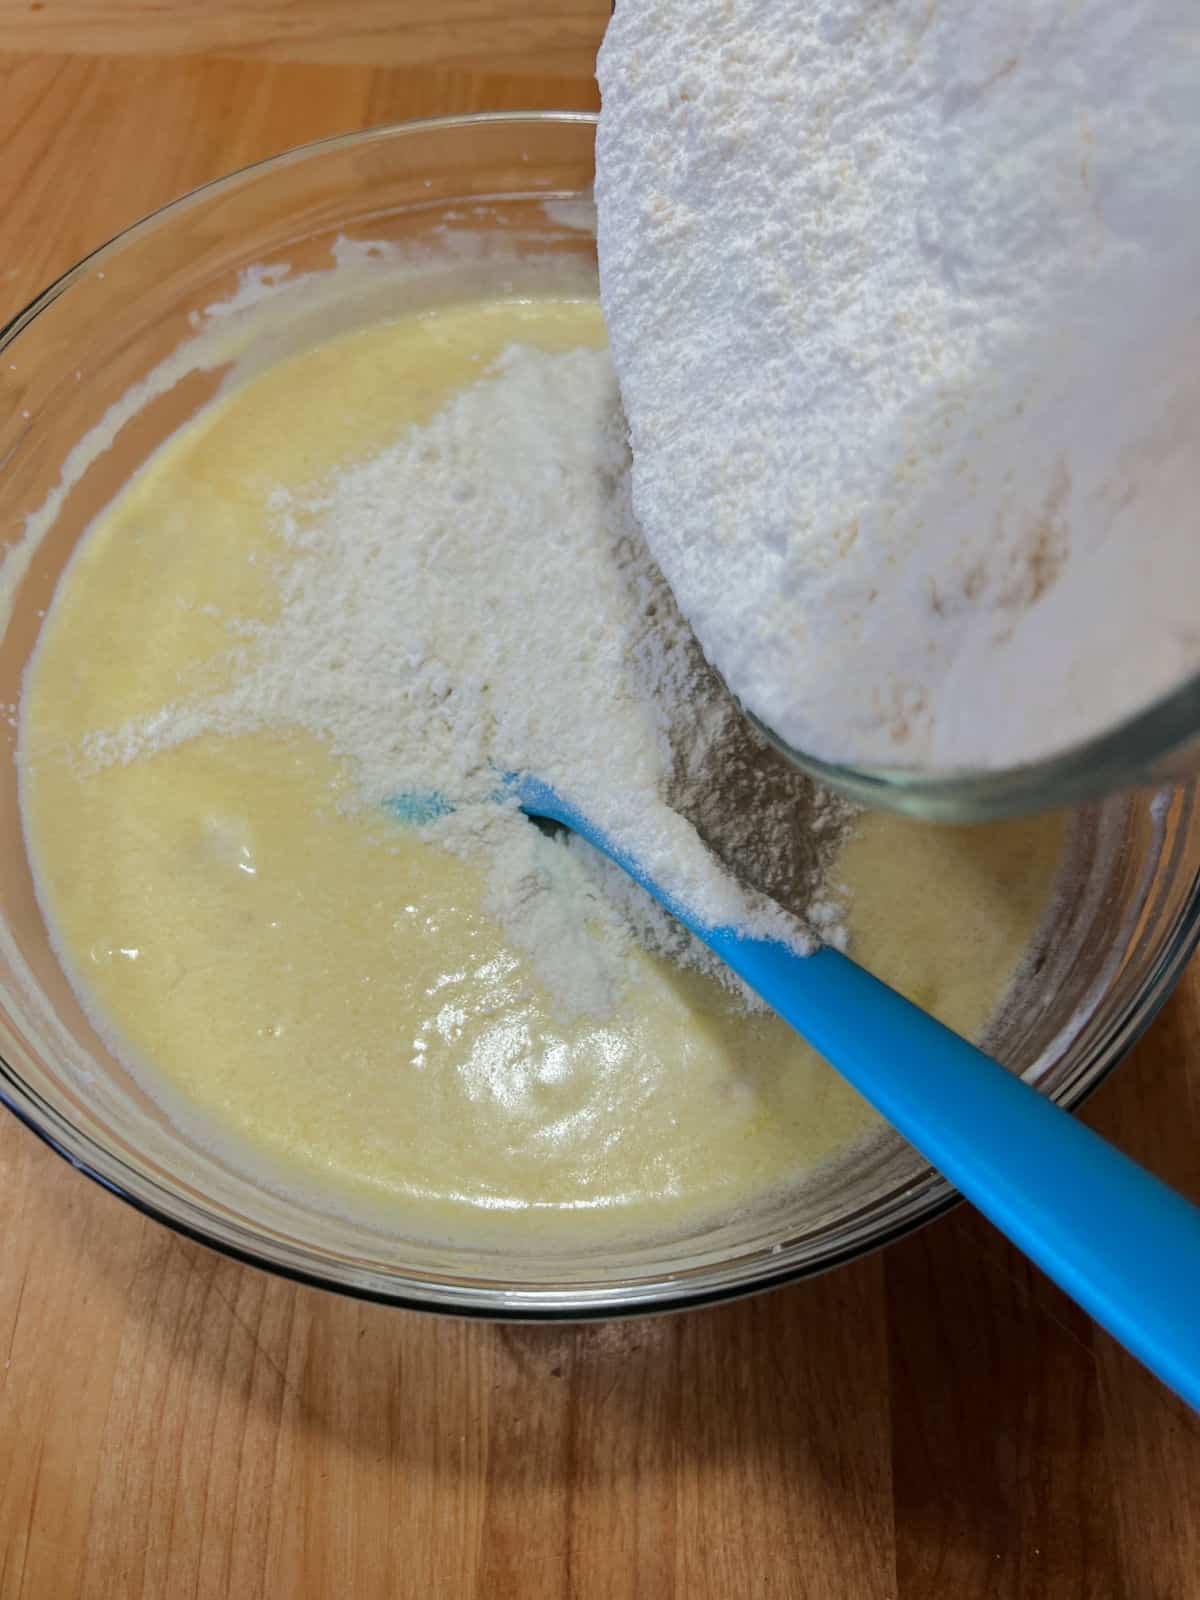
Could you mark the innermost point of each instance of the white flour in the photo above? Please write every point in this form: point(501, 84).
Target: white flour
point(903, 303)
point(475, 600)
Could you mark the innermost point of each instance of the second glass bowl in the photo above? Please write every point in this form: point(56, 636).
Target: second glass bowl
point(1160, 745)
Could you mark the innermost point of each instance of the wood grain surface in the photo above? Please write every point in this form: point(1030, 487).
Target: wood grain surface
point(934, 1421)
point(535, 37)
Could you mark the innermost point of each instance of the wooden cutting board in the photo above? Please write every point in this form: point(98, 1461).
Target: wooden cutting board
point(934, 1421)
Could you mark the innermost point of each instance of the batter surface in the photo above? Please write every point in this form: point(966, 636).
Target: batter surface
point(321, 993)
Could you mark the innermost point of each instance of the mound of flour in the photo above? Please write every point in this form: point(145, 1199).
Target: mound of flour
point(476, 600)
point(903, 303)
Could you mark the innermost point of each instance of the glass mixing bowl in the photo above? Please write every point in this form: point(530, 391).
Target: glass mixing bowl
point(471, 204)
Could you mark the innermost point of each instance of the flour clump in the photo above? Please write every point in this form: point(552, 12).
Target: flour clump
point(903, 306)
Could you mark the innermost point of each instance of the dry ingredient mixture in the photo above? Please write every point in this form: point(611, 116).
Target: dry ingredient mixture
point(475, 599)
point(902, 300)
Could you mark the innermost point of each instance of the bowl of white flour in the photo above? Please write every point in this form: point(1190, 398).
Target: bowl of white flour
point(902, 305)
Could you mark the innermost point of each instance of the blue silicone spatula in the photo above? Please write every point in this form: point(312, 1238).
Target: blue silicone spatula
point(1121, 1243)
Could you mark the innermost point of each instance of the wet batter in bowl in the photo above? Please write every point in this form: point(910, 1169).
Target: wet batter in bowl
point(332, 951)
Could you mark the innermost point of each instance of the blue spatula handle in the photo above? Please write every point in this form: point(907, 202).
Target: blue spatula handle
point(1122, 1244)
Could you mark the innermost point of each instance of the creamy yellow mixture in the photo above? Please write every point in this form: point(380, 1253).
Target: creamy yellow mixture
point(320, 992)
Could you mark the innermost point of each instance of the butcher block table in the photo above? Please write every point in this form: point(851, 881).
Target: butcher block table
point(936, 1420)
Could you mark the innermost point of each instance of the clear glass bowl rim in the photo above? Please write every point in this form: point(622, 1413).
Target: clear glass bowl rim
point(1127, 755)
point(708, 1285)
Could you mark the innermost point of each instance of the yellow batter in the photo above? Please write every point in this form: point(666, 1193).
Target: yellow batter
point(321, 992)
